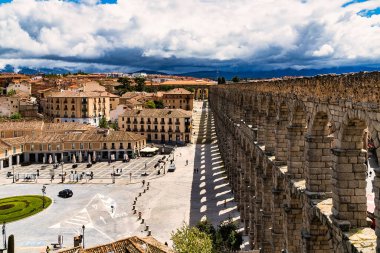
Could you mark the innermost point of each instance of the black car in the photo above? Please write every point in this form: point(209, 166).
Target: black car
point(66, 193)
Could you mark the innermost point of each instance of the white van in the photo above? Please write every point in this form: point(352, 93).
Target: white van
point(171, 167)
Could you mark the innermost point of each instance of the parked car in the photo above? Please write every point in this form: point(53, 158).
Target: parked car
point(171, 167)
point(66, 193)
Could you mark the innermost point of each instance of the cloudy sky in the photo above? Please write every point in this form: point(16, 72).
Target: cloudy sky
point(188, 35)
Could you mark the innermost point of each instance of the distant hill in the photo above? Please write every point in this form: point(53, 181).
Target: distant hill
point(150, 72)
point(277, 73)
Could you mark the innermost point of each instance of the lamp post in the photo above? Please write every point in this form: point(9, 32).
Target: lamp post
point(62, 173)
point(83, 227)
point(13, 169)
point(113, 174)
point(43, 195)
point(4, 236)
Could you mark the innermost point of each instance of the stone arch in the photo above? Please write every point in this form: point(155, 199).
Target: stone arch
point(318, 238)
point(349, 171)
point(270, 126)
point(261, 119)
point(283, 114)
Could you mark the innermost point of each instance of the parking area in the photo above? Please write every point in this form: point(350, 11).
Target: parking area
point(125, 172)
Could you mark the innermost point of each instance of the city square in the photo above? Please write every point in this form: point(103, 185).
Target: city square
point(196, 190)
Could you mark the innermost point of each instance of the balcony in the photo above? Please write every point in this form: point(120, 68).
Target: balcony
point(162, 122)
point(170, 122)
point(65, 108)
point(163, 130)
point(155, 122)
point(170, 130)
point(65, 102)
point(149, 122)
point(128, 121)
point(73, 108)
point(178, 123)
point(129, 129)
point(142, 130)
point(72, 116)
point(135, 130)
point(142, 122)
point(135, 121)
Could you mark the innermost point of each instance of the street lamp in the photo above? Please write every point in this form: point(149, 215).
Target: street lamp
point(113, 174)
point(83, 227)
point(62, 173)
point(43, 195)
point(4, 236)
point(13, 169)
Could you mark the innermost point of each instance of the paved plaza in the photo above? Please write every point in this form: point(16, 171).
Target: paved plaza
point(195, 191)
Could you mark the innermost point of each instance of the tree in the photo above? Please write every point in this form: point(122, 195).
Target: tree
point(227, 238)
point(126, 82)
point(190, 239)
point(114, 125)
point(11, 93)
point(235, 79)
point(221, 80)
point(16, 115)
point(207, 227)
point(140, 83)
point(103, 123)
point(159, 104)
point(150, 104)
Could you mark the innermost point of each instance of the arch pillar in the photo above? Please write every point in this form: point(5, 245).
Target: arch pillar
point(296, 144)
point(349, 188)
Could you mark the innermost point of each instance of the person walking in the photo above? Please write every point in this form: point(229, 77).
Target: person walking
point(187, 162)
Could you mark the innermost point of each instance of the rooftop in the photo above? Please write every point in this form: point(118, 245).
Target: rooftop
point(129, 245)
point(178, 91)
point(158, 113)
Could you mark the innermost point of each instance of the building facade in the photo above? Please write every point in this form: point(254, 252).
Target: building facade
point(82, 107)
point(178, 98)
point(159, 125)
point(9, 106)
point(39, 142)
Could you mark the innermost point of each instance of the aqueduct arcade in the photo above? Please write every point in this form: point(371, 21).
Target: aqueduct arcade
point(295, 152)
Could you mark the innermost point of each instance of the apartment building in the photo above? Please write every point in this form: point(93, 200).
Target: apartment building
point(83, 107)
point(178, 98)
point(158, 125)
point(9, 106)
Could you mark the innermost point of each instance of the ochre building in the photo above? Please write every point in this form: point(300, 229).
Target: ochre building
point(158, 125)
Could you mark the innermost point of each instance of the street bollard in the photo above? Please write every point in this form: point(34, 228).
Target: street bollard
point(146, 227)
point(139, 194)
point(147, 188)
point(139, 215)
point(134, 202)
point(142, 221)
point(134, 211)
point(148, 184)
point(144, 190)
point(133, 207)
point(149, 233)
point(135, 198)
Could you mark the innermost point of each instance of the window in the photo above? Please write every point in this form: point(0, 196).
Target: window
point(49, 147)
point(73, 146)
point(31, 147)
point(6, 152)
point(58, 146)
point(40, 147)
point(14, 150)
point(81, 146)
point(2, 134)
point(90, 145)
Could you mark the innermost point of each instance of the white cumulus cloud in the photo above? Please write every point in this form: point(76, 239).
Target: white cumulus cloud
point(270, 33)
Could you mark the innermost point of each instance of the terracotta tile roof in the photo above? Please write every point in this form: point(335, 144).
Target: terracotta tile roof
point(101, 137)
point(45, 138)
point(158, 113)
point(66, 126)
point(16, 141)
point(22, 125)
point(178, 91)
point(3, 145)
point(129, 245)
point(68, 93)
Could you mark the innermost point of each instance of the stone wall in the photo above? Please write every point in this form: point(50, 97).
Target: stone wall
point(295, 152)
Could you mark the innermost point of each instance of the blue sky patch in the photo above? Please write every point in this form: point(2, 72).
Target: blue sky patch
point(369, 13)
point(5, 1)
point(354, 2)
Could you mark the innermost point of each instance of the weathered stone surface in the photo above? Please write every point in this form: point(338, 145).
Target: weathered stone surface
point(295, 153)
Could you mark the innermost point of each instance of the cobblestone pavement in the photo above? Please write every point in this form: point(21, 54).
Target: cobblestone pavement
point(126, 172)
point(110, 211)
